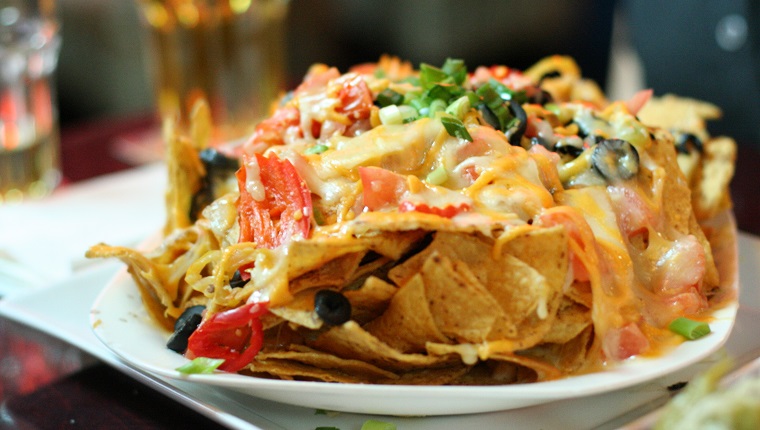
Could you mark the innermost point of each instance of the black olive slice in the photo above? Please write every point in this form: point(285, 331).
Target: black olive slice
point(184, 327)
point(488, 116)
point(332, 306)
point(518, 130)
point(687, 143)
point(541, 97)
point(215, 160)
point(237, 280)
point(615, 159)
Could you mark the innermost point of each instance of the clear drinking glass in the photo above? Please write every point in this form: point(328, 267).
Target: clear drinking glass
point(29, 140)
point(227, 52)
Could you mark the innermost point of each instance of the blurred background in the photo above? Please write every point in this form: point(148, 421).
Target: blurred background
point(705, 49)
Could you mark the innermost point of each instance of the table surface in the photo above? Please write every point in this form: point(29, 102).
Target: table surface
point(37, 370)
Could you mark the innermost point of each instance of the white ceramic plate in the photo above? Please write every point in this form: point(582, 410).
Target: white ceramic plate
point(122, 324)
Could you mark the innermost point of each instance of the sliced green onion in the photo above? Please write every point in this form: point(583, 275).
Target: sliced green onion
point(504, 92)
point(459, 108)
point(377, 425)
point(437, 176)
point(688, 328)
point(200, 365)
point(440, 92)
point(316, 149)
point(389, 97)
point(319, 217)
point(436, 106)
point(431, 75)
point(455, 68)
point(455, 127)
point(552, 107)
point(391, 115)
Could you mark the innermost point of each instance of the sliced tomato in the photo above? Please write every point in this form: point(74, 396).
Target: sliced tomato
point(449, 211)
point(235, 335)
point(635, 103)
point(271, 131)
point(355, 99)
point(284, 212)
point(381, 187)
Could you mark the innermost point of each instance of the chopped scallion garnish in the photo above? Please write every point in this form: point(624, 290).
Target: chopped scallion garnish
point(316, 149)
point(389, 97)
point(455, 127)
point(455, 68)
point(437, 176)
point(689, 328)
point(459, 108)
point(377, 425)
point(200, 365)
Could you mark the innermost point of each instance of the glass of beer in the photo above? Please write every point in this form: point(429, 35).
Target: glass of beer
point(29, 46)
point(229, 53)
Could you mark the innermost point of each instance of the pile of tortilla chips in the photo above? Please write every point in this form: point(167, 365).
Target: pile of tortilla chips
point(541, 277)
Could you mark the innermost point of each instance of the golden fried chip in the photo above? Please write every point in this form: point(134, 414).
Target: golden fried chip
point(407, 324)
point(334, 273)
point(307, 255)
point(570, 356)
point(461, 306)
point(441, 376)
point(350, 341)
point(370, 300)
point(544, 249)
point(572, 319)
point(310, 357)
point(712, 193)
point(293, 370)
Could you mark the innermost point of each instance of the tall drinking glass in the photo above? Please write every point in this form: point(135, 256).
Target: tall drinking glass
point(29, 45)
point(227, 52)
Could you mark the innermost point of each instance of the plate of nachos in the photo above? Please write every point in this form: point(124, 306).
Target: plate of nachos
point(438, 240)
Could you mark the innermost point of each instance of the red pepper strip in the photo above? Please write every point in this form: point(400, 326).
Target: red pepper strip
point(235, 335)
point(449, 211)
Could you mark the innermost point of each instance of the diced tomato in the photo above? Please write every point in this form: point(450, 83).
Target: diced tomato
point(638, 101)
point(381, 187)
point(624, 342)
point(317, 76)
point(450, 211)
point(271, 131)
point(235, 335)
point(285, 210)
point(355, 99)
point(633, 214)
point(681, 267)
point(577, 229)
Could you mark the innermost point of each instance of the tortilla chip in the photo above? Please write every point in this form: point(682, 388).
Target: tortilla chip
point(407, 324)
point(712, 193)
point(333, 274)
point(293, 370)
point(461, 306)
point(350, 341)
point(569, 357)
point(442, 376)
point(325, 361)
point(572, 319)
point(370, 300)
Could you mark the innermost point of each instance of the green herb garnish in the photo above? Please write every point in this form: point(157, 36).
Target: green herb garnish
point(200, 365)
point(688, 328)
